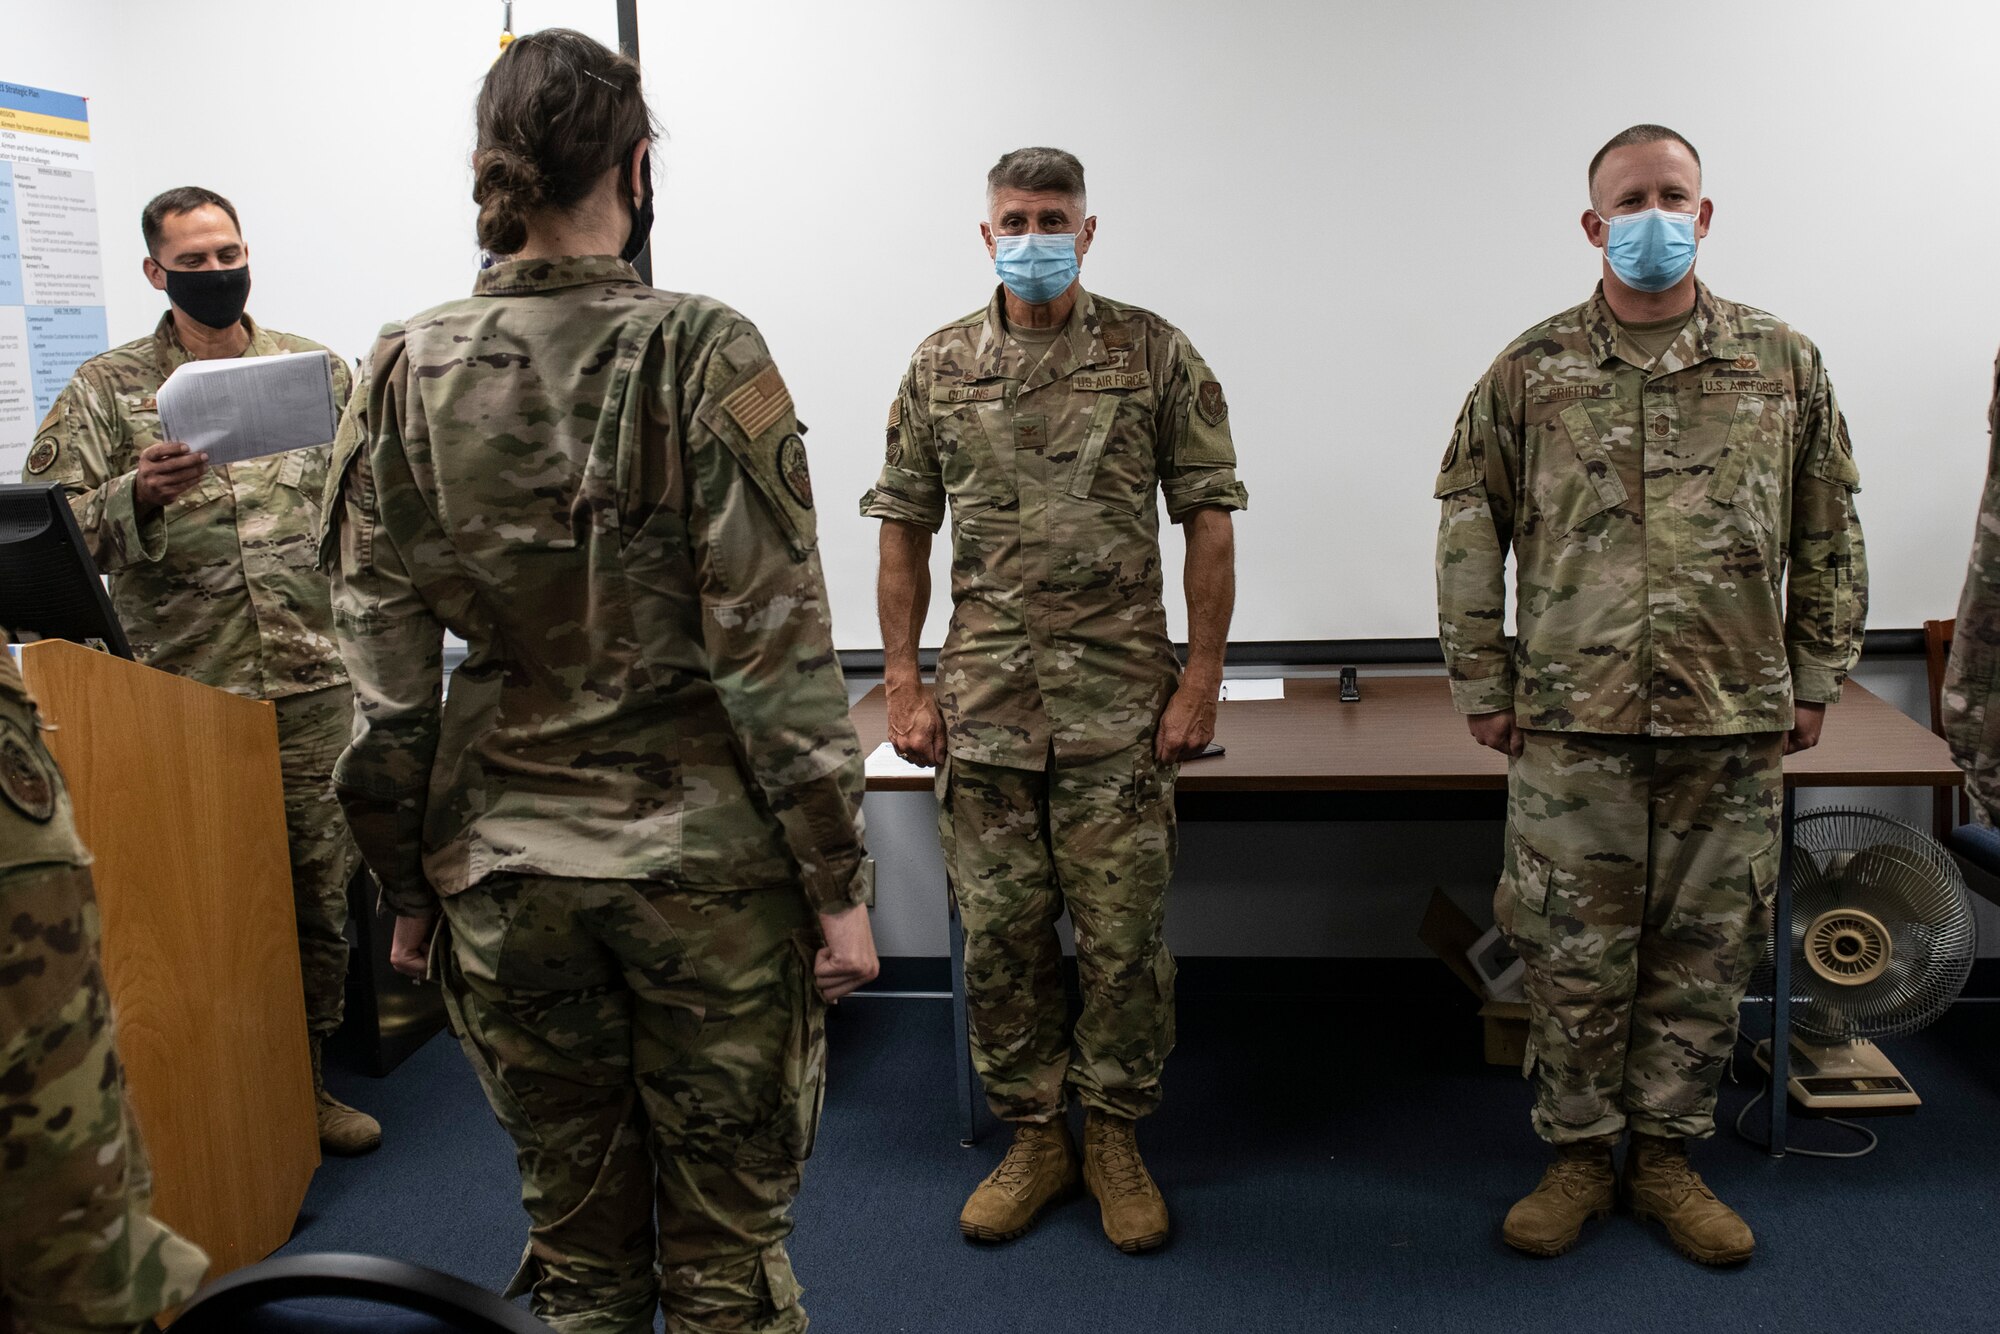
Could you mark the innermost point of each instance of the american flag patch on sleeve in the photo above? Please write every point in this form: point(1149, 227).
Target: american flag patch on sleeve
point(761, 403)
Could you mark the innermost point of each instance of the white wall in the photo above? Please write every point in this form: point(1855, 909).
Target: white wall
point(1349, 206)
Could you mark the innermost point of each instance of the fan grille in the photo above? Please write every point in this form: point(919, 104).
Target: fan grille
point(1882, 934)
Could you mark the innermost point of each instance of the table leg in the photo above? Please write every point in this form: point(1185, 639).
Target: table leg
point(1781, 984)
point(961, 1026)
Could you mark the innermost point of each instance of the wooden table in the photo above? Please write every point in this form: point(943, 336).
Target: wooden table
point(1402, 752)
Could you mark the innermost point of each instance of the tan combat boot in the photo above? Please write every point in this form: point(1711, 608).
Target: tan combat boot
point(1580, 1185)
point(1039, 1170)
point(1135, 1214)
point(1660, 1183)
point(343, 1131)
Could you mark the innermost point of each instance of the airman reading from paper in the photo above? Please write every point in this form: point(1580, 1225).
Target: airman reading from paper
point(212, 569)
point(1672, 475)
point(1049, 421)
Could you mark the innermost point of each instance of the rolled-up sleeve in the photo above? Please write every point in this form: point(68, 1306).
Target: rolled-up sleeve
point(1196, 459)
point(911, 486)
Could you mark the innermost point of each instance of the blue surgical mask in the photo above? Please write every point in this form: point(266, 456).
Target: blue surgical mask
point(1650, 251)
point(1038, 268)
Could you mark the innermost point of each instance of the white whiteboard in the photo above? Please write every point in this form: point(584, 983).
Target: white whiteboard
point(1349, 207)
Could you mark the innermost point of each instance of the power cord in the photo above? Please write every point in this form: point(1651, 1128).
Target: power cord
point(1855, 1126)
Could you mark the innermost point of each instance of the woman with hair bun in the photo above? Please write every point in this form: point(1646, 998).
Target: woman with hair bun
point(629, 842)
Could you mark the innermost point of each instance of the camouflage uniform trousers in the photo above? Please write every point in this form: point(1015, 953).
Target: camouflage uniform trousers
point(79, 1250)
point(1638, 882)
point(313, 729)
point(644, 1044)
point(1020, 845)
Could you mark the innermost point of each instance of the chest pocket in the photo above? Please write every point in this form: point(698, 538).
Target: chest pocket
point(966, 417)
point(1114, 465)
point(1748, 488)
point(1579, 480)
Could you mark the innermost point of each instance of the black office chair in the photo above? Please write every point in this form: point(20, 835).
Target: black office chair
point(269, 1298)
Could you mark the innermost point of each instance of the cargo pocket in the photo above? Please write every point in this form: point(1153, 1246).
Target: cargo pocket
point(1764, 868)
point(1576, 494)
point(1109, 470)
point(780, 1282)
point(804, 1070)
point(1165, 971)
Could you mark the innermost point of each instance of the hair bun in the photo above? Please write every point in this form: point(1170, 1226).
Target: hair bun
point(507, 186)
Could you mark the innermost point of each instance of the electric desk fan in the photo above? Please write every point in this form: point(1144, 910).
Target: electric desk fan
point(1882, 942)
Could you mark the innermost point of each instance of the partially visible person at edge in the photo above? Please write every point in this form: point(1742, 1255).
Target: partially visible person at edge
point(80, 1251)
point(637, 814)
point(1052, 421)
point(212, 570)
point(1972, 677)
point(1673, 478)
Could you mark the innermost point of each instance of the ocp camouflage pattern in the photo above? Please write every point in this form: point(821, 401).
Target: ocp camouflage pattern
point(1972, 677)
point(586, 480)
point(1095, 837)
point(659, 1058)
point(1639, 875)
point(220, 585)
point(1050, 462)
point(1687, 555)
point(79, 1248)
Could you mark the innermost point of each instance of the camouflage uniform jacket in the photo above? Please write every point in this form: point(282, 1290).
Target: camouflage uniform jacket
point(1972, 678)
point(603, 490)
point(1058, 635)
point(219, 585)
point(36, 822)
point(1687, 555)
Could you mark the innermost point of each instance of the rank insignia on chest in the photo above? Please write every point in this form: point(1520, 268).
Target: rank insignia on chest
point(43, 456)
point(24, 780)
point(792, 469)
point(1210, 403)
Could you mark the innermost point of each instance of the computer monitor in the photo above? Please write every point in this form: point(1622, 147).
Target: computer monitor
point(49, 585)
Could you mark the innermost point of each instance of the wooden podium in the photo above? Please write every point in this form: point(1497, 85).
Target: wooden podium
point(179, 800)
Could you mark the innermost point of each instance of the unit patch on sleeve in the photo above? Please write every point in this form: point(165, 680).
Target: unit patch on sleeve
point(43, 456)
point(792, 470)
point(1208, 401)
point(24, 779)
point(757, 405)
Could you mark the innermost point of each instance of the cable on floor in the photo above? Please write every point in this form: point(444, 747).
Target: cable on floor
point(1855, 1126)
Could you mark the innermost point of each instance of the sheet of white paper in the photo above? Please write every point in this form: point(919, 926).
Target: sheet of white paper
point(1262, 687)
point(236, 408)
point(884, 762)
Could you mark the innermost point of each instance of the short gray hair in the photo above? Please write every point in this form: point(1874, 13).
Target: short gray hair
point(1038, 171)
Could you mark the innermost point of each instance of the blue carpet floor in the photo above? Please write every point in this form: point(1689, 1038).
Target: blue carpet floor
point(1328, 1169)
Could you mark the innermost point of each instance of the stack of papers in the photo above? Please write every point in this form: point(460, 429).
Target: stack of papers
point(236, 408)
point(1262, 687)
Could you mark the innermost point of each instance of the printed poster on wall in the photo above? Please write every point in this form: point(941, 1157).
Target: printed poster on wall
point(51, 279)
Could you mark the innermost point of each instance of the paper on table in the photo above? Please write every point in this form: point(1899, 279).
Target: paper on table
point(1263, 687)
point(236, 408)
point(884, 762)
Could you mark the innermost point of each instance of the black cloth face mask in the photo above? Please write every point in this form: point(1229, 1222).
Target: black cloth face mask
point(642, 215)
point(213, 297)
